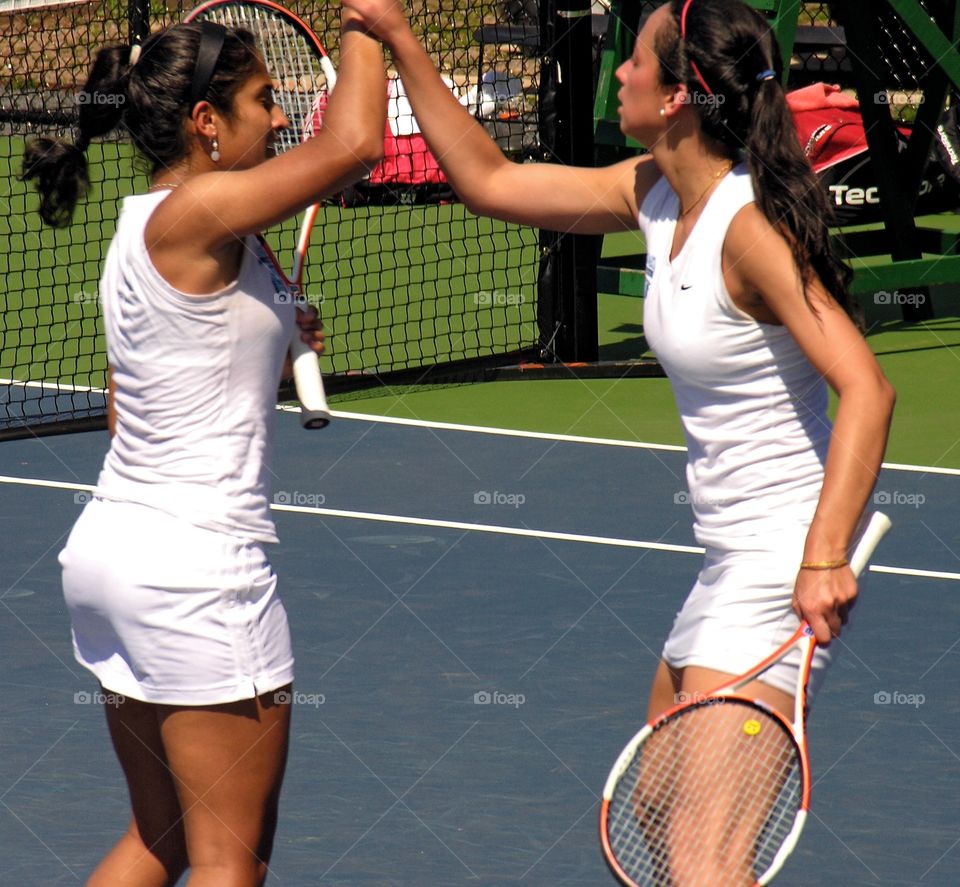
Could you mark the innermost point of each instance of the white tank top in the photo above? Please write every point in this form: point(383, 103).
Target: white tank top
point(196, 384)
point(754, 410)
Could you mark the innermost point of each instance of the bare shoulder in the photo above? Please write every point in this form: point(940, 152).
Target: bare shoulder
point(757, 256)
point(183, 212)
point(178, 238)
point(763, 277)
point(750, 234)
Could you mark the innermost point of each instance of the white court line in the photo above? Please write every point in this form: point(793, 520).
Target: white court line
point(17, 383)
point(483, 528)
point(502, 432)
point(923, 574)
point(572, 438)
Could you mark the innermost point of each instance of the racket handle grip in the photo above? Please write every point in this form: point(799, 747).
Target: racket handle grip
point(314, 410)
point(329, 72)
point(876, 525)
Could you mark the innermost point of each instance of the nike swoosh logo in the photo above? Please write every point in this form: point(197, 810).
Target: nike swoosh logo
point(686, 287)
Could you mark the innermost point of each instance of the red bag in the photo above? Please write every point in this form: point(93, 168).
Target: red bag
point(833, 137)
point(408, 173)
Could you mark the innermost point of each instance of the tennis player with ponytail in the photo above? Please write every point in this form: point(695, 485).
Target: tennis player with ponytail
point(172, 599)
point(746, 307)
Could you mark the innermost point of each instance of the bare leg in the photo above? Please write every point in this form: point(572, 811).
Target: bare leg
point(152, 852)
point(227, 762)
point(725, 823)
point(665, 691)
point(700, 681)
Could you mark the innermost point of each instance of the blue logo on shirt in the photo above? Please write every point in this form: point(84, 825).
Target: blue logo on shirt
point(649, 271)
point(283, 292)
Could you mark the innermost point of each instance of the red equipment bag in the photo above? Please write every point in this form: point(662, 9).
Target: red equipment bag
point(833, 137)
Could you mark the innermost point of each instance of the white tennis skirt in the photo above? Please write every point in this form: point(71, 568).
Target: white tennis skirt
point(739, 612)
point(167, 612)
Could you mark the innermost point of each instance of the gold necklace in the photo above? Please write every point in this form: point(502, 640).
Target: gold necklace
point(160, 185)
point(696, 202)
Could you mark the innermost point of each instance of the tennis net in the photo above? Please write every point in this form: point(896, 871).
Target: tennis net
point(406, 279)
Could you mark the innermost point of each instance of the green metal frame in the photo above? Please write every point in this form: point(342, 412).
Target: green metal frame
point(904, 252)
point(617, 47)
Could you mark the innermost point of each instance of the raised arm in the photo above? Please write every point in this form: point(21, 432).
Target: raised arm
point(217, 207)
point(576, 199)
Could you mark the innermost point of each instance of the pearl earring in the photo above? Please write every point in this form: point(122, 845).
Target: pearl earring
point(663, 112)
point(215, 150)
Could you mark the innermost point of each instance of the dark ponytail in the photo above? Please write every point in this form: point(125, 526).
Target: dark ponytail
point(730, 61)
point(150, 100)
point(58, 168)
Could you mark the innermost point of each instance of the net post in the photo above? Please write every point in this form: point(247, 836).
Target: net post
point(567, 282)
point(897, 203)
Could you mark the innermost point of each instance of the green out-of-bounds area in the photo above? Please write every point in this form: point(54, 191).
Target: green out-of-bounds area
point(922, 360)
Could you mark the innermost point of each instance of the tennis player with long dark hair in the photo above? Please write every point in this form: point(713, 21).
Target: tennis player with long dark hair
point(746, 307)
point(172, 600)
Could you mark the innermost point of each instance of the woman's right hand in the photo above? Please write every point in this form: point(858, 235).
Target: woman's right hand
point(381, 18)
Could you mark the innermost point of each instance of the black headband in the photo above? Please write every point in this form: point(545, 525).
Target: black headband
point(212, 36)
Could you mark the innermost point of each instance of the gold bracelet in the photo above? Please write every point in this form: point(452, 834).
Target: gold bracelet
point(823, 565)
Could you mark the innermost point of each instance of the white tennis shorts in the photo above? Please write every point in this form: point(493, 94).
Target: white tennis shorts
point(166, 612)
point(739, 612)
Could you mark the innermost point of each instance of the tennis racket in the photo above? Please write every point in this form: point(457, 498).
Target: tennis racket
point(715, 792)
point(303, 76)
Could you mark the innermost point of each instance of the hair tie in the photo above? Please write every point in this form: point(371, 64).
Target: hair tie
point(766, 75)
point(683, 35)
point(134, 54)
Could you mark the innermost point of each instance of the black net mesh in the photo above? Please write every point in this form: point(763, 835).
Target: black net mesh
point(405, 277)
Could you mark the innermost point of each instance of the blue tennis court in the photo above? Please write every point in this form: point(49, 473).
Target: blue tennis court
point(477, 617)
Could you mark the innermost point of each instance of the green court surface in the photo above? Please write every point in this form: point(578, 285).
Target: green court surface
point(922, 361)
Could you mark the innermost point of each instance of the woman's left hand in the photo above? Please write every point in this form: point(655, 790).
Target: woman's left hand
point(824, 598)
point(311, 329)
point(311, 333)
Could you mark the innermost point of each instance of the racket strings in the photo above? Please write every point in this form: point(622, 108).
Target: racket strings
point(291, 60)
point(708, 799)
